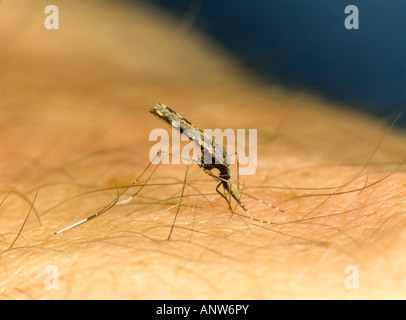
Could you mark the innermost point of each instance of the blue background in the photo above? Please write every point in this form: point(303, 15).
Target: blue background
point(304, 44)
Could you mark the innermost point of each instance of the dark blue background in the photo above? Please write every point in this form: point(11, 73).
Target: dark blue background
point(304, 44)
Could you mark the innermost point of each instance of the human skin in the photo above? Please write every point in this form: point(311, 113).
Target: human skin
point(75, 124)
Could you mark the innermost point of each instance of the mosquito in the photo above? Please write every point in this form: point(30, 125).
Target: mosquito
point(214, 156)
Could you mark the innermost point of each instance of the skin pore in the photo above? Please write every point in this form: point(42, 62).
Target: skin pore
point(74, 132)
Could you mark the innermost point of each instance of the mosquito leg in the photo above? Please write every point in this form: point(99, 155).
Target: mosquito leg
point(229, 193)
point(227, 188)
point(180, 202)
point(231, 190)
point(116, 200)
point(222, 195)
